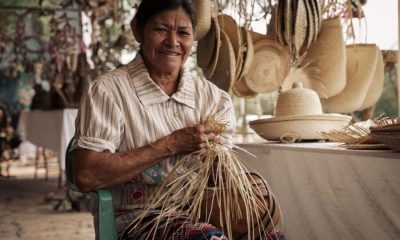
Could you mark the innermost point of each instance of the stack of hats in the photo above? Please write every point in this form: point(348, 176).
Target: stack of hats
point(387, 131)
point(237, 59)
point(298, 116)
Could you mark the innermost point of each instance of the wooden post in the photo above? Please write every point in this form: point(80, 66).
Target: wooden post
point(398, 59)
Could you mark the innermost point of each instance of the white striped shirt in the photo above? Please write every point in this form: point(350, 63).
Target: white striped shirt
point(125, 109)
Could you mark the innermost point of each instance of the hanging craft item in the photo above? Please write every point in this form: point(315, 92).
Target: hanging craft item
point(240, 87)
point(360, 69)
point(203, 11)
point(376, 87)
point(225, 70)
point(328, 56)
point(208, 49)
point(270, 66)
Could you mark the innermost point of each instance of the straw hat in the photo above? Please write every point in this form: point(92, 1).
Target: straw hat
point(270, 65)
point(224, 73)
point(360, 68)
point(240, 87)
point(203, 10)
point(376, 87)
point(208, 50)
point(299, 116)
point(232, 30)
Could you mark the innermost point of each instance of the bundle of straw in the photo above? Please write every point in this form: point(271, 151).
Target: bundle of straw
point(212, 178)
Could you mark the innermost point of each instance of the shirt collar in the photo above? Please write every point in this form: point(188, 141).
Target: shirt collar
point(150, 93)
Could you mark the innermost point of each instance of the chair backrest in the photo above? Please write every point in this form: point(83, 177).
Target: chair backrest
point(69, 166)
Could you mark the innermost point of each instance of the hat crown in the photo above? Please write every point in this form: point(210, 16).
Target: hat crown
point(298, 101)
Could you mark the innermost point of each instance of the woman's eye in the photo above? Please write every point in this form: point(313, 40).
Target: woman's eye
point(184, 33)
point(161, 29)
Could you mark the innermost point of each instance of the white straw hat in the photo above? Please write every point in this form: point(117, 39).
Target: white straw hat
point(298, 117)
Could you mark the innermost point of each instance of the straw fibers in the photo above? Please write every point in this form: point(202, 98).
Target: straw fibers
point(214, 177)
point(360, 67)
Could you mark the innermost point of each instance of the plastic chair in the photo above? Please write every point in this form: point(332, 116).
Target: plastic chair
point(104, 219)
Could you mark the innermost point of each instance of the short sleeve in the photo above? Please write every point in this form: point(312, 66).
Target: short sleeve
point(99, 123)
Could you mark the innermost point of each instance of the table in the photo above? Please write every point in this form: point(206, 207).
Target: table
point(49, 129)
point(327, 192)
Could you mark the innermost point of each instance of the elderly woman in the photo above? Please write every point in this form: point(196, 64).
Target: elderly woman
point(135, 122)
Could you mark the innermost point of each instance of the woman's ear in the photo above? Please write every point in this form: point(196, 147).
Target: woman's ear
point(136, 31)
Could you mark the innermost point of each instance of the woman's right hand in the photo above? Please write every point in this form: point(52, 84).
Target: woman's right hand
point(190, 139)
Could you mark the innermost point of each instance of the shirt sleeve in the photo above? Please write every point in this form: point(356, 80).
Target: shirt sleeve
point(99, 122)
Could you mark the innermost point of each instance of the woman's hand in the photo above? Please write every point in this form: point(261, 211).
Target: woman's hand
point(190, 139)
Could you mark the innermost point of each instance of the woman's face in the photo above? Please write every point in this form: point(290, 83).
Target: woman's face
point(167, 41)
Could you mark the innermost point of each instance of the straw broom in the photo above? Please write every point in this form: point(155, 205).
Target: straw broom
point(212, 178)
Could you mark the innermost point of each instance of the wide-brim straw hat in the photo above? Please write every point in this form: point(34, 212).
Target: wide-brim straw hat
point(328, 55)
point(240, 87)
point(270, 66)
point(232, 30)
point(224, 73)
point(208, 50)
point(298, 116)
point(360, 68)
point(204, 15)
point(376, 87)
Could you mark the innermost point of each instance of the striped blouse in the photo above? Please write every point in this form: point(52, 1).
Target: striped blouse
point(124, 109)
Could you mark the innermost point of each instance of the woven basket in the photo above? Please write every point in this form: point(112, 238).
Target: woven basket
point(376, 87)
point(361, 62)
point(328, 55)
point(270, 66)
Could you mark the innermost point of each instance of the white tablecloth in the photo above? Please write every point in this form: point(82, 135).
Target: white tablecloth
point(330, 193)
point(50, 129)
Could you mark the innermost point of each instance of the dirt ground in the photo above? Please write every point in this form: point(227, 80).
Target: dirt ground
point(27, 209)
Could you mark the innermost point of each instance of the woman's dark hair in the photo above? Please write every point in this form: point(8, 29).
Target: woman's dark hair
point(149, 8)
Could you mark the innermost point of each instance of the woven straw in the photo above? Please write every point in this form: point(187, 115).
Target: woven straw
point(328, 55)
point(224, 74)
point(376, 87)
point(248, 52)
point(256, 36)
point(232, 30)
point(361, 61)
point(270, 66)
point(208, 50)
point(390, 139)
point(298, 116)
point(298, 101)
point(203, 10)
point(240, 87)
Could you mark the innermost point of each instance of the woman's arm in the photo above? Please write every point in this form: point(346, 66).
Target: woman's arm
point(95, 170)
